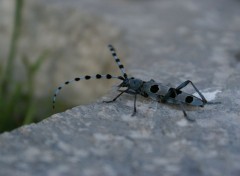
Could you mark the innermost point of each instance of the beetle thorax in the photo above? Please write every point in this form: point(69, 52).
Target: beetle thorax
point(135, 84)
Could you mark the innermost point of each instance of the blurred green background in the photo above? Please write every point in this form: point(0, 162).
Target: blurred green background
point(41, 47)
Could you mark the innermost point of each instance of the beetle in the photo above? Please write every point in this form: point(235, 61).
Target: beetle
point(152, 89)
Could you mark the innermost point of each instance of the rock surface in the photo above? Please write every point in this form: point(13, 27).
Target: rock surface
point(169, 41)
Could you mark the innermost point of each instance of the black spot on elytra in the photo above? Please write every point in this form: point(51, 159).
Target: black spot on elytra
point(178, 91)
point(174, 92)
point(77, 79)
point(98, 76)
point(145, 94)
point(172, 95)
point(125, 75)
point(67, 82)
point(154, 88)
point(59, 88)
point(114, 54)
point(188, 99)
point(117, 60)
point(87, 77)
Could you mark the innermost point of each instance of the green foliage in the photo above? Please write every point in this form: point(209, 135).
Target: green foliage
point(17, 103)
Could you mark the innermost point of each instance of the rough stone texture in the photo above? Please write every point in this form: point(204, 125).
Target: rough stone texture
point(169, 41)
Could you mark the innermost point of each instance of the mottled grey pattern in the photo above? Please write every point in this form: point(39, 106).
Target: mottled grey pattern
point(169, 41)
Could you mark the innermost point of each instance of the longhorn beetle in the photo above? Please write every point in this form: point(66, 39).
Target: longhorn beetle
point(156, 91)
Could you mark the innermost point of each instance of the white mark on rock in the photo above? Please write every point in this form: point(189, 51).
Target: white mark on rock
point(182, 123)
point(209, 95)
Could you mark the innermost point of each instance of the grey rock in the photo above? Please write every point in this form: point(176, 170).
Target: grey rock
point(169, 41)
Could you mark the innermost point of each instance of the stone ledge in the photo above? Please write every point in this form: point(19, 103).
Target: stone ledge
point(104, 139)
